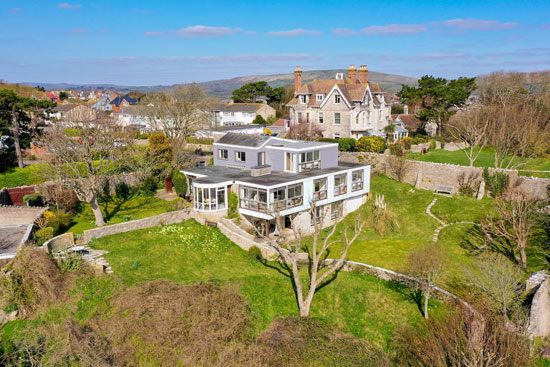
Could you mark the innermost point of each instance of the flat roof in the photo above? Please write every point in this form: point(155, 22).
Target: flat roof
point(217, 174)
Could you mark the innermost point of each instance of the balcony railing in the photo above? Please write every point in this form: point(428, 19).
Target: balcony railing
point(287, 204)
point(309, 166)
point(340, 190)
point(257, 206)
point(320, 195)
point(356, 186)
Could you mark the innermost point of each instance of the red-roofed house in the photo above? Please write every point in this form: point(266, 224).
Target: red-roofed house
point(52, 97)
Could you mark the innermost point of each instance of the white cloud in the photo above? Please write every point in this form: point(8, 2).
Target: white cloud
point(294, 33)
point(78, 31)
point(394, 29)
point(465, 24)
point(197, 31)
point(344, 32)
point(68, 6)
point(15, 10)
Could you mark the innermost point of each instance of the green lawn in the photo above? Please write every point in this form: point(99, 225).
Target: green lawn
point(20, 177)
point(188, 252)
point(118, 211)
point(485, 159)
point(416, 228)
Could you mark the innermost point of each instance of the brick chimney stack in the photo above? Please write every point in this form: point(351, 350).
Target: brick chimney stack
point(297, 79)
point(352, 74)
point(363, 74)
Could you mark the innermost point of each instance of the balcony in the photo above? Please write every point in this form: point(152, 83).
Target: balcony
point(307, 166)
point(287, 204)
point(257, 206)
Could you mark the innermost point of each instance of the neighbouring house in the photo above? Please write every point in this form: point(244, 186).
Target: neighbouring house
point(273, 175)
point(103, 104)
point(233, 114)
point(122, 102)
point(73, 113)
point(342, 107)
point(131, 117)
point(53, 97)
point(217, 133)
point(413, 123)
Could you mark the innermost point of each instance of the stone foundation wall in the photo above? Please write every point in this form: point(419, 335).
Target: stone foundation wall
point(19, 215)
point(61, 241)
point(429, 176)
point(156, 220)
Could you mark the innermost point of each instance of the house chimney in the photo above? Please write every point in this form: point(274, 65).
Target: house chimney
point(405, 109)
point(297, 79)
point(363, 74)
point(352, 74)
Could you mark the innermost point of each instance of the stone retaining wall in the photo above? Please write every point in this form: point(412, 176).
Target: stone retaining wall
point(156, 220)
point(63, 240)
point(429, 175)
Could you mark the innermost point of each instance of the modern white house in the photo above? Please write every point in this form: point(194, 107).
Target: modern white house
point(234, 114)
point(274, 176)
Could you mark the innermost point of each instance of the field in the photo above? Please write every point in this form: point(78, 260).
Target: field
point(20, 177)
point(485, 159)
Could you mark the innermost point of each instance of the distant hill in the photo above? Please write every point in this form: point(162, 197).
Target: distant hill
point(22, 90)
point(222, 88)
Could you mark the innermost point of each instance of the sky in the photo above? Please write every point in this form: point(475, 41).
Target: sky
point(179, 41)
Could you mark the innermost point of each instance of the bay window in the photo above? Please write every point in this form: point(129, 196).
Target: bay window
point(253, 198)
point(309, 160)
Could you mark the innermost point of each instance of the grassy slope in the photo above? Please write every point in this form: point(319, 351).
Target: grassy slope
point(416, 228)
point(20, 177)
point(485, 159)
point(360, 304)
point(119, 211)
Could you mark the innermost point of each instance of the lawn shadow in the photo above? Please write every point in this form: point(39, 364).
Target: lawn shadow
point(408, 293)
point(119, 202)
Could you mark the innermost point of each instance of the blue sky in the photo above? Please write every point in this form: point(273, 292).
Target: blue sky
point(167, 42)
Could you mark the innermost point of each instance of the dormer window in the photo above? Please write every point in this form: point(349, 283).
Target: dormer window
point(303, 99)
point(336, 98)
point(319, 97)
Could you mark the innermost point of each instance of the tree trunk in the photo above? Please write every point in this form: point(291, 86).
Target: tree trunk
point(426, 297)
point(522, 257)
point(99, 222)
point(16, 140)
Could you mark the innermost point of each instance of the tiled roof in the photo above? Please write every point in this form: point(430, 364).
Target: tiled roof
point(350, 91)
point(244, 140)
point(118, 101)
point(410, 121)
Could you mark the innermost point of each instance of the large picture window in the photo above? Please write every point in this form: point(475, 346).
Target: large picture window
point(320, 189)
point(309, 160)
point(340, 186)
point(287, 197)
point(357, 180)
point(209, 199)
point(253, 198)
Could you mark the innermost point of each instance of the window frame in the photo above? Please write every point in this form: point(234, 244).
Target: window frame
point(337, 98)
point(240, 153)
point(339, 119)
point(220, 155)
point(357, 184)
point(341, 188)
point(320, 118)
point(319, 97)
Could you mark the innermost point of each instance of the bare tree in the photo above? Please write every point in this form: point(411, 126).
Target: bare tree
point(499, 279)
point(508, 232)
point(304, 130)
point(428, 266)
point(320, 270)
point(471, 127)
point(84, 163)
point(398, 167)
point(179, 113)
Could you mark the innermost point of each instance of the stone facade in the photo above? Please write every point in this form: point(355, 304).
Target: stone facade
point(539, 316)
point(429, 176)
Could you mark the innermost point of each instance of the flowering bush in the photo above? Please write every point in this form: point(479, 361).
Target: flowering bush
point(198, 239)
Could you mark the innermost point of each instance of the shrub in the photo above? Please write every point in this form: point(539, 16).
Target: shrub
point(383, 218)
point(346, 144)
point(373, 144)
point(180, 183)
point(407, 142)
point(328, 140)
point(259, 120)
point(396, 149)
point(255, 253)
point(148, 186)
point(44, 234)
point(33, 200)
point(232, 202)
point(143, 136)
point(71, 132)
point(468, 183)
point(419, 139)
point(267, 131)
point(495, 183)
point(432, 144)
point(178, 204)
point(59, 222)
point(122, 190)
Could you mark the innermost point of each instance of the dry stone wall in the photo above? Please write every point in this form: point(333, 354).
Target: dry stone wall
point(156, 220)
point(430, 176)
